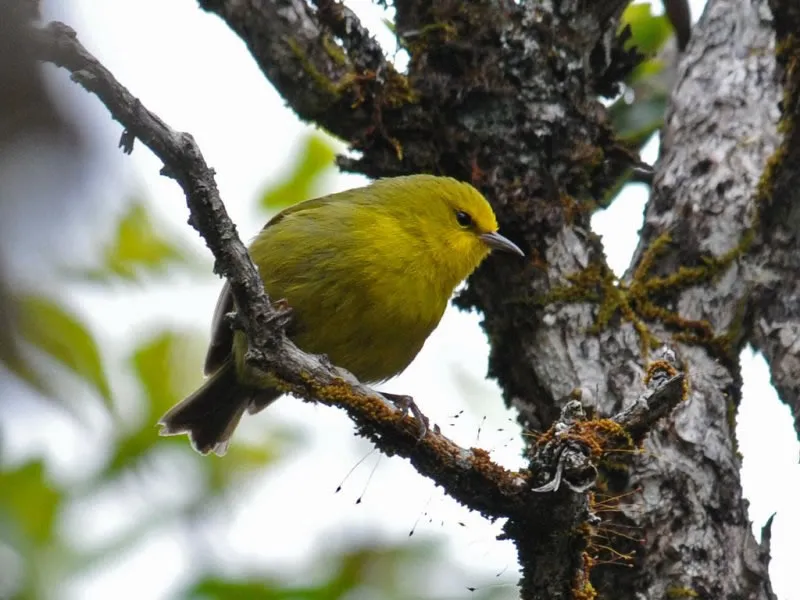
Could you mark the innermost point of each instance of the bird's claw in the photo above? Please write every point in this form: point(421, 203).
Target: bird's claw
point(282, 313)
point(406, 404)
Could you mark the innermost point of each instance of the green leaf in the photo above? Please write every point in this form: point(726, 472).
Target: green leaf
point(649, 69)
point(375, 571)
point(138, 246)
point(29, 502)
point(390, 25)
point(168, 367)
point(649, 32)
point(11, 356)
point(315, 159)
point(636, 121)
point(60, 334)
point(213, 588)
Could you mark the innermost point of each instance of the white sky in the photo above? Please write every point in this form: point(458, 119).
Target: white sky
point(197, 75)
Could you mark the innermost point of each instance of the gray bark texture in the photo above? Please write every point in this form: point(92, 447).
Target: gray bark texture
point(625, 496)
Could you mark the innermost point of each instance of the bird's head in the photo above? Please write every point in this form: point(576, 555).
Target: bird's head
point(454, 223)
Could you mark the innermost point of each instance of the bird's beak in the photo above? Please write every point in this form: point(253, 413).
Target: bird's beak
point(495, 241)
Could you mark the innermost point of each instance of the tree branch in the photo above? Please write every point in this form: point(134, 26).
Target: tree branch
point(504, 95)
point(776, 261)
point(183, 162)
point(696, 258)
point(501, 94)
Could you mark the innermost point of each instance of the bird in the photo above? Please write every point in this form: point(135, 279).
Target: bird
point(367, 274)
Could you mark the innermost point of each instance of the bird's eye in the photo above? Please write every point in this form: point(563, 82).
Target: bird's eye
point(463, 218)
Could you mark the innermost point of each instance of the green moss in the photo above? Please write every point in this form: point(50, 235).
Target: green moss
point(787, 51)
point(322, 81)
point(334, 51)
point(637, 302)
point(731, 409)
point(597, 283)
point(766, 183)
point(394, 90)
point(681, 592)
point(389, 91)
point(583, 589)
point(728, 342)
point(605, 439)
point(419, 42)
point(641, 300)
point(398, 91)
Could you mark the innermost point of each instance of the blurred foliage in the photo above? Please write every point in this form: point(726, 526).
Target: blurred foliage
point(138, 247)
point(25, 104)
point(315, 160)
point(29, 507)
point(638, 113)
point(131, 387)
point(54, 330)
point(650, 31)
point(365, 571)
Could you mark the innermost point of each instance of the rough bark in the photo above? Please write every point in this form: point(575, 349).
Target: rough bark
point(501, 94)
point(719, 135)
point(776, 259)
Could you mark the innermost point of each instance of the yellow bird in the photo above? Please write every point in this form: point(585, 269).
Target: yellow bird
point(367, 273)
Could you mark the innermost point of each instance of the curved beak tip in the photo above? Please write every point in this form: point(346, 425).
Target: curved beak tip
point(495, 241)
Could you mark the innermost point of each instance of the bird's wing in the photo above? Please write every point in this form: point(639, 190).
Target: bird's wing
point(219, 349)
point(221, 333)
point(310, 206)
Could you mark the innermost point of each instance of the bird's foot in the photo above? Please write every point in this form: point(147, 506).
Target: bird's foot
point(406, 404)
point(281, 316)
point(283, 313)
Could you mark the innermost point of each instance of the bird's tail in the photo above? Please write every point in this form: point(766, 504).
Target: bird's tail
point(211, 413)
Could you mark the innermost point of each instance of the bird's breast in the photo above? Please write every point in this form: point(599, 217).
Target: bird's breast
point(372, 327)
point(367, 297)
